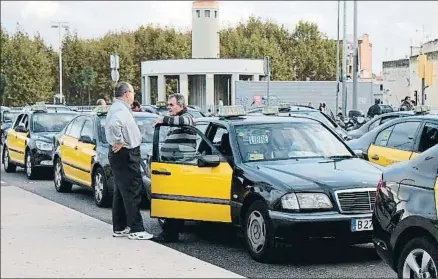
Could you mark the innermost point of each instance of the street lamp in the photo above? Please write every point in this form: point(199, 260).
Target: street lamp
point(59, 25)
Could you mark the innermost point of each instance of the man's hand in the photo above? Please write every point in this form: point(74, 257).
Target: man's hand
point(116, 147)
point(157, 121)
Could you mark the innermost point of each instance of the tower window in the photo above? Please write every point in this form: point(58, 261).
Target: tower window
point(215, 14)
point(198, 13)
point(207, 13)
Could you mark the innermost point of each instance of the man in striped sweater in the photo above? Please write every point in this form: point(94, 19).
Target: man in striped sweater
point(179, 145)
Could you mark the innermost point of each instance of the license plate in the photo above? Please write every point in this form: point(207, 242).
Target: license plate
point(358, 225)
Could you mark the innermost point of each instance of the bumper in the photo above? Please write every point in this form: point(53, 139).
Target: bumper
point(42, 158)
point(319, 225)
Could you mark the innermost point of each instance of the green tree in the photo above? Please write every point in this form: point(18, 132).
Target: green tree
point(28, 70)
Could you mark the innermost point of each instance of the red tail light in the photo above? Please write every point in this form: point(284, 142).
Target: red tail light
point(379, 186)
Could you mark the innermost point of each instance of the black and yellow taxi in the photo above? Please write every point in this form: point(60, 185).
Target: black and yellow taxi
point(81, 154)
point(28, 142)
point(405, 217)
point(398, 140)
point(277, 178)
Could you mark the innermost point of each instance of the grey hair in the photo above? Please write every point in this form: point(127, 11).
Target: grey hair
point(122, 88)
point(180, 99)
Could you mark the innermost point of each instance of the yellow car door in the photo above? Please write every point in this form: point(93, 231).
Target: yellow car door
point(195, 186)
point(69, 149)
point(12, 137)
point(21, 138)
point(395, 143)
point(85, 152)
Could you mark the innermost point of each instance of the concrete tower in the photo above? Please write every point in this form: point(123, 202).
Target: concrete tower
point(205, 29)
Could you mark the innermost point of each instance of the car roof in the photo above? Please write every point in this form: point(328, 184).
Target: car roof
point(423, 116)
point(255, 119)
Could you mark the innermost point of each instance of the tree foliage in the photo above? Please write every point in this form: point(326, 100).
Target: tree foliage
point(30, 70)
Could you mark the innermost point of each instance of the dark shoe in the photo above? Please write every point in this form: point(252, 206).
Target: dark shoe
point(163, 238)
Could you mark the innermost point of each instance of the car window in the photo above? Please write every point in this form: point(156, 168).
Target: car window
point(176, 149)
point(50, 122)
point(202, 127)
point(9, 116)
point(429, 137)
point(403, 136)
point(374, 124)
point(76, 128)
point(145, 125)
point(383, 136)
point(283, 141)
point(88, 129)
point(18, 120)
point(68, 128)
point(386, 119)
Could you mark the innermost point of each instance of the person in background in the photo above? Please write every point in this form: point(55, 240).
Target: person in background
point(170, 150)
point(406, 104)
point(101, 102)
point(375, 109)
point(124, 139)
point(136, 106)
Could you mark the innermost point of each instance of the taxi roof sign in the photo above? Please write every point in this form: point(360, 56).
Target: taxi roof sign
point(161, 104)
point(101, 109)
point(283, 105)
point(231, 111)
point(421, 109)
point(272, 110)
point(39, 106)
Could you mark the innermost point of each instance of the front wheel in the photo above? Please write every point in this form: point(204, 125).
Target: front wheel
point(100, 187)
point(30, 169)
point(259, 233)
point(419, 259)
point(7, 165)
point(61, 185)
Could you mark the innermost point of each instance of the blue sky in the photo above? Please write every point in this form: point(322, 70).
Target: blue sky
point(391, 25)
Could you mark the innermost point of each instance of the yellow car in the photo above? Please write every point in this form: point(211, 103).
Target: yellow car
point(398, 140)
point(28, 143)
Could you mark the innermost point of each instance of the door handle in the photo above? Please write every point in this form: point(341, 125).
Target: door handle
point(161, 172)
point(62, 143)
point(76, 147)
point(375, 157)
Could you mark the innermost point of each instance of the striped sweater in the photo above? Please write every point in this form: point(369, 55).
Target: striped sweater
point(180, 142)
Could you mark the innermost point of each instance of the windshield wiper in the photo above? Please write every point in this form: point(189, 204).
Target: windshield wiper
point(340, 157)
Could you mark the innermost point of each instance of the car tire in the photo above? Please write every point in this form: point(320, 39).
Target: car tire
point(100, 188)
point(415, 250)
point(29, 166)
point(7, 165)
point(259, 233)
point(61, 185)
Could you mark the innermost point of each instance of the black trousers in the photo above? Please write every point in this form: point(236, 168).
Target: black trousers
point(125, 166)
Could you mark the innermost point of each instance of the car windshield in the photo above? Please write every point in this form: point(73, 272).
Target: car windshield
point(283, 141)
point(143, 123)
point(316, 114)
point(9, 116)
point(50, 122)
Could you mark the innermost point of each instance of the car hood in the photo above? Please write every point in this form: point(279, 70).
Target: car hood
point(46, 136)
point(321, 174)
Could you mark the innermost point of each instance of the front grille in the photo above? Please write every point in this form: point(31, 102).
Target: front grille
point(356, 200)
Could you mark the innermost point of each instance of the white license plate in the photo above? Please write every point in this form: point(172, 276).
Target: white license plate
point(358, 225)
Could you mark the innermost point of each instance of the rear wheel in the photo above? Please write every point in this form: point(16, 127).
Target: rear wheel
point(61, 185)
point(419, 259)
point(7, 165)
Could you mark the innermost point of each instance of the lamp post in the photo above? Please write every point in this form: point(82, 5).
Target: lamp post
point(59, 25)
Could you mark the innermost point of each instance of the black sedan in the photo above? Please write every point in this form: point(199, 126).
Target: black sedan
point(405, 216)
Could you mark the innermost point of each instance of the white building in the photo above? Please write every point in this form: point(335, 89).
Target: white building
point(400, 77)
point(205, 78)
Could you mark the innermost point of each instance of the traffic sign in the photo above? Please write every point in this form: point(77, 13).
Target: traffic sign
point(114, 62)
point(115, 75)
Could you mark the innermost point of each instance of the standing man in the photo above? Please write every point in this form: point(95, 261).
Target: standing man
point(178, 117)
point(124, 138)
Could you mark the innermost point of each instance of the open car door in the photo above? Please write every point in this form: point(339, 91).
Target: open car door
point(190, 180)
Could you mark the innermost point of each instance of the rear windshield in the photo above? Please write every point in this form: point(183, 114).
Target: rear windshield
point(50, 122)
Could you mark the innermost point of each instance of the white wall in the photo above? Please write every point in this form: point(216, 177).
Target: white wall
point(202, 66)
point(395, 84)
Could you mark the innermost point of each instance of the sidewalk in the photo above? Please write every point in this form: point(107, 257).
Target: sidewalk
point(40, 238)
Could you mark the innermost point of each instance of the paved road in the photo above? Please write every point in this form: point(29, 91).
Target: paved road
point(218, 244)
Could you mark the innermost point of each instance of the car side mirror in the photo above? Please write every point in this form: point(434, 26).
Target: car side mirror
point(359, 153)
point(20, 129)
point(209, 161)
point(86, 139)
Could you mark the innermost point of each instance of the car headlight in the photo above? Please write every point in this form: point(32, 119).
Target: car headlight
point(41, 145)
point(306, 201)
